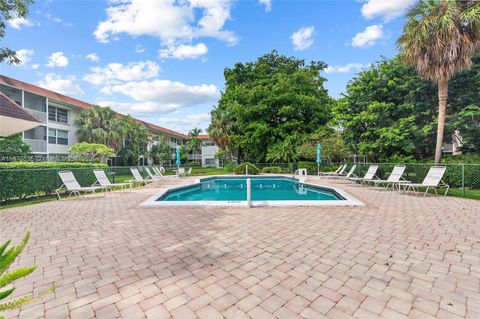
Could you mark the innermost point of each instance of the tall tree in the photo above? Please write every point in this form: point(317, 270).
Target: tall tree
point(135, 140)
point(11, 9)
point(100, 125)
point(439, 39)
point(194, 144)
point(161, 152)
point(267, 101)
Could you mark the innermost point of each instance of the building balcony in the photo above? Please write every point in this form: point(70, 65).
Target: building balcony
point(40, 116)
point(38, 146)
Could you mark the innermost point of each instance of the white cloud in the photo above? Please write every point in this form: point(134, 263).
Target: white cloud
point(347, 68)
point(267, 4)
point(184, 51)
point(92, 57)
point(139, 48)
point(174, 22)
point(35, 66)
point(53, 18)
point(303, 38)
point(186, 122)
point(160, 96)
point(57, 59)
point(24, 56)
point(368, 37)
point(17, 22)
point(387, 9)
point(62, 84)
point(114, 73)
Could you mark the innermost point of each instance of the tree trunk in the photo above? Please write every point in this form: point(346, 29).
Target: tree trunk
point(442, 106)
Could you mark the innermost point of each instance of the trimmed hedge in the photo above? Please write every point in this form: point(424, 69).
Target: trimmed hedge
point(42, 165)
point(272, 169)
point(242, 168)
point(40, 179)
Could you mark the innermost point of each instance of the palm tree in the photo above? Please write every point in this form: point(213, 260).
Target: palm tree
point(439, 39)
point(219, 129)
point(195, 144)
point(100, 125)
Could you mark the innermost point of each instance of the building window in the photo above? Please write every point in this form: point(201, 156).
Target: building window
point(14, 94)
point(56, 114)
point(57, 137)
point(209, 161)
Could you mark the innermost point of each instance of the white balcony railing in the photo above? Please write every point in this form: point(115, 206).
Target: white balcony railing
point(38, 146)
point(40, 116)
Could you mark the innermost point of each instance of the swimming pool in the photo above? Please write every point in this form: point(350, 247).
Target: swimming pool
point(265, 191)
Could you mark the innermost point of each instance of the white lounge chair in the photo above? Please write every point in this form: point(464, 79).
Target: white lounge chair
point(369, 175)
point(137, 177)
point(158, 171)
point(103, 181)
point(394, 179)
point(189, 172)
point(71, 186)
point(432, 180)
point(348, 175)
point(152, 176)
point(181, 172)
point(340, 170)
point(301, 174)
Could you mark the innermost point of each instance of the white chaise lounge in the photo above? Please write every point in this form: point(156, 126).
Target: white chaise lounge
point(369, 175)
point(137, 177)
point(432, 180)
point(71, 185)
point(349, 175)
point(152, 176)
point(104, 182)
point(339, 172)
point(394, 179)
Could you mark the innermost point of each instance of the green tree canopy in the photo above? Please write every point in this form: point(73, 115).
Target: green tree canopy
point(100, 125)
point(334, 148)
point(266, 103)
point(439, 39)
point(388, 111)
point(194, 145)
point(91, 152)
point(161, 152)
point(14, 146)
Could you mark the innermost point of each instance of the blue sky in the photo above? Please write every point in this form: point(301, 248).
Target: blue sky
point(163, 61)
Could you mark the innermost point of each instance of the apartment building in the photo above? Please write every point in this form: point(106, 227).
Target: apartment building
point(57, 113)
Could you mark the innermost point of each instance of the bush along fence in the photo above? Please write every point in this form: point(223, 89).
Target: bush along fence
point(18, 183)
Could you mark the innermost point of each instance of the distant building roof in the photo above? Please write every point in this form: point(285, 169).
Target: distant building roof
point(69, 100)
point(9, 108)
point(203, 136)
point(14, 118)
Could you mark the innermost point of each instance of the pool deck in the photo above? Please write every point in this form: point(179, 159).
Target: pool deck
point(399, 256)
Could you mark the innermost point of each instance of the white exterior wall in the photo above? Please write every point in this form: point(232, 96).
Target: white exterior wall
point(208, 152)
point(70, 127)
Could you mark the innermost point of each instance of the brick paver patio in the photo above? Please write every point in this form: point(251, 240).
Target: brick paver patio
point(400, 256)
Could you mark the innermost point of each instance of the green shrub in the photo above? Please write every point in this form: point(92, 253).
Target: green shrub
point(242, 168)
point(42, 165)
point(21, 179)
point(272, 169)
point(7, 258)
point(229, 167)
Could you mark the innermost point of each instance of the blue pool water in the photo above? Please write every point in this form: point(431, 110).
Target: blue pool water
point(263, 189)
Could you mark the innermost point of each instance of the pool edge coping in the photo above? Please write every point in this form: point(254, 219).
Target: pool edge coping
point(349, 200)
